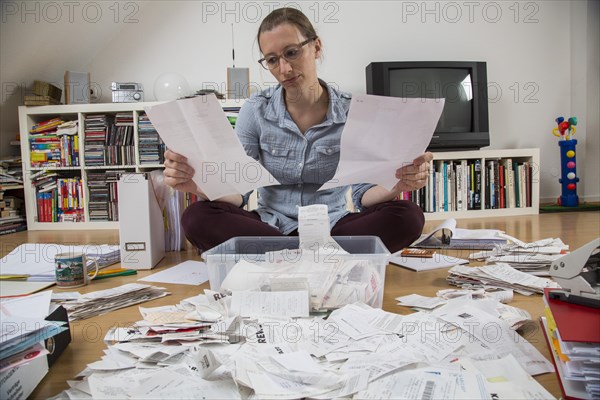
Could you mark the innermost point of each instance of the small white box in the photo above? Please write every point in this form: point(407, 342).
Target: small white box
point(141, 224)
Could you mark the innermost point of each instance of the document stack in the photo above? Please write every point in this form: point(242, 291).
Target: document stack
point(35, 261)
point(534, 258)
point(103, 301)
point(498, 275)
point(573, 336)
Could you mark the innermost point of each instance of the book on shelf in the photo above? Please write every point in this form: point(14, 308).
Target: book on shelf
point(54, 143)
point(96, 128)
point(42, 88)
point(103, 195)
point(462, 184)
point(47, 125)
point(5, 229)
point(36, 100)
point(109, 139)
point(151, 146)
point(59, 198)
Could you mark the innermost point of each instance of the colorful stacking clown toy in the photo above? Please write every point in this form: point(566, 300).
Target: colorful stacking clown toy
point(568, 176)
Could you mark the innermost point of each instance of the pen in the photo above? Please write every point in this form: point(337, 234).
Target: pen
point(14, 277)
point(109, 275)
point(111, 271)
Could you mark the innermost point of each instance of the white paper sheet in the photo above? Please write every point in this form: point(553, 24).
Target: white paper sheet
point(187, 273)
point(426, 264)
point(417, 300)
point(198, 129)
point(506, 378)
point(427, 383)
point(17, 288)
point(497, 335)
point(35, 306)
point(381, 135)
point(277, 304)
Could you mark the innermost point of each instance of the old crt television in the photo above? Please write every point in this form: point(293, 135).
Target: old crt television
point(464, 123)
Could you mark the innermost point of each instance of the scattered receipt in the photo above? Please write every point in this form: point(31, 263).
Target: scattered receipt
point(198, 129)
point(381, 135)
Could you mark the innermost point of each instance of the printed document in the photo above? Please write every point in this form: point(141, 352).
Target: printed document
point(198, 129)
point(381, 135)
point(187, 273)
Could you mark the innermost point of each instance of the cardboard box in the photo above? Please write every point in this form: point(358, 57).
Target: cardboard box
point(141, 224)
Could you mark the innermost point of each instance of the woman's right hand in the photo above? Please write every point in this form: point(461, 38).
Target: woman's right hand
point(178, 173)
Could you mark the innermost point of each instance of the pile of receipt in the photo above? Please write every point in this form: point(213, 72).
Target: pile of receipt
point(201, 347)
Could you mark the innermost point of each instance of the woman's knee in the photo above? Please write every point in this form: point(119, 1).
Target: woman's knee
point(406, 214)
point(197, 214)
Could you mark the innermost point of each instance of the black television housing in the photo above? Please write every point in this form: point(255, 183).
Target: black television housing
point(464, 123)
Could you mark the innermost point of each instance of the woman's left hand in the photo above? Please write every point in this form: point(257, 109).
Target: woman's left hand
point(414, 176)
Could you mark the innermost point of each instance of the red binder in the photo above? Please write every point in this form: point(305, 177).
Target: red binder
point(558, 368)
point(574, 322)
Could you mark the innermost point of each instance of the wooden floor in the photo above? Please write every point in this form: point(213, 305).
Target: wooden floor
point(574, 228)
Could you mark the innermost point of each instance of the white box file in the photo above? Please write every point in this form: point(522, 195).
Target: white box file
point(141, 225)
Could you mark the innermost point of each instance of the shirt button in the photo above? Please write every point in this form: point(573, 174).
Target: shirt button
point(328, 151)
point(300, 165)
point(299, 185)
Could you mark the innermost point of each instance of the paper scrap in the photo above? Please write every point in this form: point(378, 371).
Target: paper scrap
point(187, 273)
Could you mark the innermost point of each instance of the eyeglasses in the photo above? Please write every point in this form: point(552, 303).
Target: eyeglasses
point(291, 53)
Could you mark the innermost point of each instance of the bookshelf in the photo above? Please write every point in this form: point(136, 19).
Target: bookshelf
point(84, 172)
point(139, 161)
point(498, 197)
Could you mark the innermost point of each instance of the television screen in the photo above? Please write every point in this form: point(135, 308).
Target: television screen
point(464, 121)
point(452, 84)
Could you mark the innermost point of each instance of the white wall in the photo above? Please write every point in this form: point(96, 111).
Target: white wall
point(533, 49)
point(591, 104)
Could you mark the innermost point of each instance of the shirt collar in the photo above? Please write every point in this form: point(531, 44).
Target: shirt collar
point(336, 113)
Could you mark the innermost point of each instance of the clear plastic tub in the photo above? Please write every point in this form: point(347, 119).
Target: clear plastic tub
point(368, 250)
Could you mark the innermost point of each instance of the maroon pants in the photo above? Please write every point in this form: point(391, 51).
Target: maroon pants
point(209, 223)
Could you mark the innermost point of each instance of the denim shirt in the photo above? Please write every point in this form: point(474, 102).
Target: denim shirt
point(300, 162)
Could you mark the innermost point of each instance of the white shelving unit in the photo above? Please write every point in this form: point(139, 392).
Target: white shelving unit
point(29, 116)
point(519, 155)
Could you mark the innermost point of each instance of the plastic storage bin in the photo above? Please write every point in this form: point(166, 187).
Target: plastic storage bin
point(221, 259)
